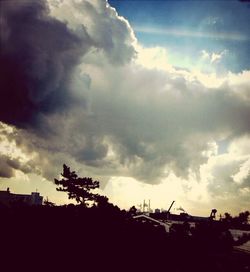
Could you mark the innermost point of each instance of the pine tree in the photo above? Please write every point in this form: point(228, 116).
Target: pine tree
point(77, 188)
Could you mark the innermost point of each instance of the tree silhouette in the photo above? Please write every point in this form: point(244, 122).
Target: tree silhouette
point(237, 221)
point(243, 217)
point(77, 188)
point(228, 218)
point(48, 203)
point(132, 211)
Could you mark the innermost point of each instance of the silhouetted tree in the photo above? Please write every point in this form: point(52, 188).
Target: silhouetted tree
point(132, 211)
point(102, 201)
point(238, 221)
point(77, 188)
point(48, 203)
point(243, 217)
point(227, 218)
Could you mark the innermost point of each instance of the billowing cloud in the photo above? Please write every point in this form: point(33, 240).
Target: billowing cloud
point(110, 32)
point(8, 166)
point(38, 56)
point(6, 171)
point(228, 175)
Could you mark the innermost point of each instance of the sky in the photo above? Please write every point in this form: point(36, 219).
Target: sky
point(151, 98)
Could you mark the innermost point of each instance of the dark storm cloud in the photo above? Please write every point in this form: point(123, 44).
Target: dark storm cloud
point(38, 55)
point(9, 165)
point(91, 153)
point(5, 170)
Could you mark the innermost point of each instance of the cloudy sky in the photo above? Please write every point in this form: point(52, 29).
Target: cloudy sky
point(152, 98)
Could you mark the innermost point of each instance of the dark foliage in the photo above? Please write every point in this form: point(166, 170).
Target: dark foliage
point(77, 188)
point(104, 238)
point(237, 222)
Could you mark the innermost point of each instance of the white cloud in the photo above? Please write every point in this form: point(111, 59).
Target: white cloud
point(244, 172)
point(228, 174)
point(153, 58)
point(108, 31)
point(205, 54)
point(213, 57)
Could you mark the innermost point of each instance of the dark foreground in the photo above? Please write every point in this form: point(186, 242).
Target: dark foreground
point(107, 239)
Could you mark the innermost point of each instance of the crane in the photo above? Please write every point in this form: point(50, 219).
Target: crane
point(171, 206)
point(168, 211)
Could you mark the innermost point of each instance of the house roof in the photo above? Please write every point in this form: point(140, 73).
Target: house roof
point(143, 216)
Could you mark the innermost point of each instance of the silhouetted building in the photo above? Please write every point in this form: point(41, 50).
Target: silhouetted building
point(177, 217)
point(8, 199)
point(149, 220)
